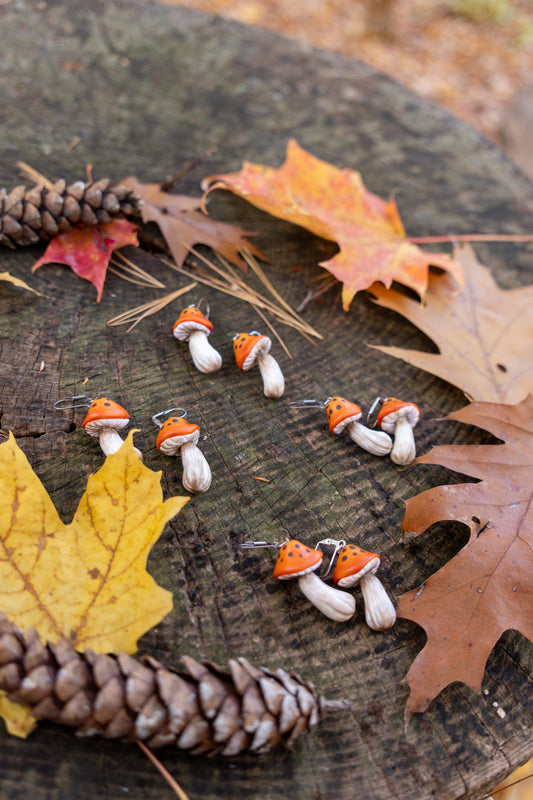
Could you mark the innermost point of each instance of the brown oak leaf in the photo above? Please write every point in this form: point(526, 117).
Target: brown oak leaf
point(483, 333)
point(487, 588)
point(335, 204)
point(183, 224)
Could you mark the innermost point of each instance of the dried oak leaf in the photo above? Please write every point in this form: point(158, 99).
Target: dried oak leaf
point(87, 250)
point(483, 333)
point(183, 225)
point(86, 581)
point(335, 204)
point(487, 588)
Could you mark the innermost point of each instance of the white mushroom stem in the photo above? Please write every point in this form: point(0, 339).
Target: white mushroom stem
point(205, 358)
point(378, 443)
point(404, 448)
point(333, 603)
point(273, 380)
point(109, 440)
point(380, 613)
point(196, 471)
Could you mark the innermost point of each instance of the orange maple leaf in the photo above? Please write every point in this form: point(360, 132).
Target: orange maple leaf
point(87, 250)
point(334, 203)
point(487, 588)
point(183, 225)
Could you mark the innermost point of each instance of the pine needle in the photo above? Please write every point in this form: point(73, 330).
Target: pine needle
point(135, 315)
point(172, 782)
point(132, 272)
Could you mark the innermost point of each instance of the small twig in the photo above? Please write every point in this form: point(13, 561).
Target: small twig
point(33, 175)
point(508, 786)
point(473, 237)
point(172, 782)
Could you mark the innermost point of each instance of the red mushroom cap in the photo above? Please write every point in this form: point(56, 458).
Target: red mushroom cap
point(104, 413)
point(247, 346)
point(391, 405)
point(179, 431)
point(296, 559)
point(340, 413)
point(352, 563)
point(191, 319)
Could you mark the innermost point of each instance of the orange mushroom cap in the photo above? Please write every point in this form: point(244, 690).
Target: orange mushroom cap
point(340, 413)
point(191, 319)
point(177, 429)
point(391, 405)
point(247, 346)
point(103, 411)
point(352, 563)
point(296, 559)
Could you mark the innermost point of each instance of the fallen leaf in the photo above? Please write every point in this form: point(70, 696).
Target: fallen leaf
point(335, 204)
point(483, 333)
point(183, 225)
point(86, 580)
point(87, 251)
point(17, 716)
point(5, 276)
point(487, 588)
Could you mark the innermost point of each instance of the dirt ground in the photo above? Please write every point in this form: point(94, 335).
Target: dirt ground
point(470, 56)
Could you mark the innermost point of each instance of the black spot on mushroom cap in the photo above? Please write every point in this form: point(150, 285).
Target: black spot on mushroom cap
point(289, 554)
point(338, 407)
point(107, 404)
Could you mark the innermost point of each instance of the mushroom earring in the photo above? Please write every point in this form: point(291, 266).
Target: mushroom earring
point(357, 566)
point(344, 415)
point(178, 437)
point(194, 327)
point(295, 560)
point(103, 421)
point(253, 348)
point(399, 418)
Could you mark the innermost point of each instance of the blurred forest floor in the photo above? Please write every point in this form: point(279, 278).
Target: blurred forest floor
point(469, 56)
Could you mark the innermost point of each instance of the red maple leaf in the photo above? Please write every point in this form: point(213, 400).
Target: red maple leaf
point(87, 251)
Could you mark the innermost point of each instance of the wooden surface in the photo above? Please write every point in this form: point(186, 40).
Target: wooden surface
point(142, 89)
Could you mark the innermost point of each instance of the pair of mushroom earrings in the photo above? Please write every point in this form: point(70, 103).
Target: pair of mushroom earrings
point(351, 566)
point(105, 418)
point(396, 419)
point(193, 327)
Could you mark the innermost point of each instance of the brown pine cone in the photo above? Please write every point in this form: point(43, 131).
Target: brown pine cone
point(27, 216)
point(205, 709)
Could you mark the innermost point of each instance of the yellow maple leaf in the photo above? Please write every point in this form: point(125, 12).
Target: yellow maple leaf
point(335, 204)
point(86, 581)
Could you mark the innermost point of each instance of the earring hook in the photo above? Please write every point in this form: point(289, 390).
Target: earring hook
point(166, 412)
point(307, 403)
point(330, 548)
point(371, 422)
point(60, 405)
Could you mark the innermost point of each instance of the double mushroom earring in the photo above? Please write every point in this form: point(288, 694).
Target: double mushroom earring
point(178, 437)
point(344, 415)
point(398, 418)
point(352, 566)
point(194, 327)
point(297, 561)
point(103, 420)
point(254, 348)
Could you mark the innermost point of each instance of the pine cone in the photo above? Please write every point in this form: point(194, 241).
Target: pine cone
point(203, 710)
point(41, 213)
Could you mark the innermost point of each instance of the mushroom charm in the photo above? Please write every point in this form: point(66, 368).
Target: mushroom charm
point(295, 560)
point(103, 421)
point(345, 415)
point(178, 437)
point(253, 348)
point(355, 565)
point(399, 419)
point(193, 327)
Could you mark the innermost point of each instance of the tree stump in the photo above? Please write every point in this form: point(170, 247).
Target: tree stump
point(134, 88)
